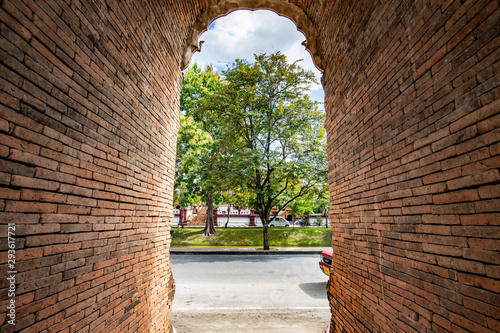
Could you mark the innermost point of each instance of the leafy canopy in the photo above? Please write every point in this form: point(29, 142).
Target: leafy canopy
point(272, 141)
point(252, 134)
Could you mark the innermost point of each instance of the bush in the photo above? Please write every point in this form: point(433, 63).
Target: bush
point(307, 223)
point(319, 219)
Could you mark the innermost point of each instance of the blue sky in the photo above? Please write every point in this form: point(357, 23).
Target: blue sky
point(243, 33)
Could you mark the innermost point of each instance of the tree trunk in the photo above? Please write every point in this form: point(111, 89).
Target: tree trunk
point(209, 225)
point(227, 221)
point(266, 237)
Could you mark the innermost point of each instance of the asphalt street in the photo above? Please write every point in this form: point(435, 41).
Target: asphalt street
point(279, 292)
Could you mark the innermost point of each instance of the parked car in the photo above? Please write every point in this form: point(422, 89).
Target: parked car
point(325, 262)
point(278, 221)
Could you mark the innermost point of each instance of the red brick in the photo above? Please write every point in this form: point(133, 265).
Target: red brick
point(30, 207)
point(429, 63)
point(22, 181)
point(484, 165)
point(59, 157)
point(37, 138)
point(93, 151)
point(54, 175)
point(7, 193)
point(75, 171)
point(74, 200)
point(76, 190)
point(492, 205)
point(66, 322)
point(36, 195)
point(73, 291)
point(492, 191)
point(34, 229)
point(46, 240)
point(19, 218)
point(477, 155)
point(19, 145)
point(11, 102)
point(488, 124)
point(17, 118)
point(71, 209)
point(462, 321)
point(89, 184)
point(58, 218)
point(455, 208)
point(4, 151)
point(56, 249)
point(495, 149)
point(442, 322)
point(15, 25)
point(442, 176)
point(105, 164)
point(58, 307)
point(438, 156)
point(457, 196)
point(479, 141)
point(27, 254)
point(480, 219)
point(481, 178)
point(37, 305)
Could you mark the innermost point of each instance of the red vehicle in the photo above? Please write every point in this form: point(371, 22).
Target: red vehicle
point(325, 262)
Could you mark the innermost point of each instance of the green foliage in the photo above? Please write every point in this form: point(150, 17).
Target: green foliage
point(316, 201)
point(319, 220)
point(252, 136)
point(196, 143)
point(274, 146)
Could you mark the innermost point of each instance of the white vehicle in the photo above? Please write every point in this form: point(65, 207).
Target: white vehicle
point(278, 221)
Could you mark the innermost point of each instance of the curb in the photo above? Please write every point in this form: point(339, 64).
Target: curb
point(244, 251)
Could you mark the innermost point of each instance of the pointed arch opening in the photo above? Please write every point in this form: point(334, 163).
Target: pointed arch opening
point(280, 7)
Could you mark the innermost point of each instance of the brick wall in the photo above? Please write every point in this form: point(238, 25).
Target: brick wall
point(413, 114)
point(88, 106)
point(88, 120)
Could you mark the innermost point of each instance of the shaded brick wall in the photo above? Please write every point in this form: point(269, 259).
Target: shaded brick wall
point(88, 105)
point(413, 114)
point(88, 120)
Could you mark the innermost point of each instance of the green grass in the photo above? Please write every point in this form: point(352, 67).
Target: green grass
point(282, 237)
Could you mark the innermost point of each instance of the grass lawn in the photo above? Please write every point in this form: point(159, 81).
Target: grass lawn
point(278, 237)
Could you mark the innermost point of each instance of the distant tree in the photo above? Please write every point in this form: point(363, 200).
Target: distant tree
point(192, 142)
point(198, 143)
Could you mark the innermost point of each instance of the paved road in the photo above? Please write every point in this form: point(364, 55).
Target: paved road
point(249, 293)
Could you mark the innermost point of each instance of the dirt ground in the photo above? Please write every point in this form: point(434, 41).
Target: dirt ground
point(253, 321)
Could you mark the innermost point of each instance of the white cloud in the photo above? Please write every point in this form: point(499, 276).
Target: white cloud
point(243, 33)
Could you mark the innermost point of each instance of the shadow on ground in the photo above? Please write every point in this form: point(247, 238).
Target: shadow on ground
point(315, 290)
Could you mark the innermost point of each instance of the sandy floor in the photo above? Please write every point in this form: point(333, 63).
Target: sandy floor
point(253, 321)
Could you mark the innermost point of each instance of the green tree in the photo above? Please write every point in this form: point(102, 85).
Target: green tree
point(272, 143)
point(192, 142)
point(198, 143)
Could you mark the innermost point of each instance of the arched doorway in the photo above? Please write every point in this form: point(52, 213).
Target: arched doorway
point(298, 289)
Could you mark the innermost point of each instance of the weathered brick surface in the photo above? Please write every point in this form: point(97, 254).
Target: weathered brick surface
point(89, 103)
point(412, 117)
point(88, 120)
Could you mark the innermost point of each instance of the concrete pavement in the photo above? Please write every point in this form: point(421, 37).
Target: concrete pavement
point(248, 293)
